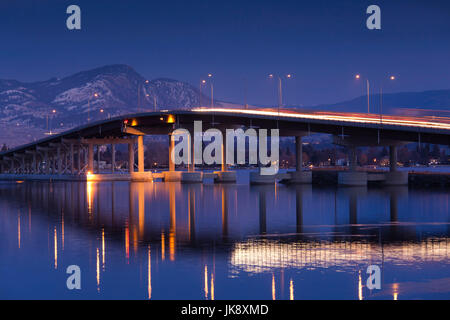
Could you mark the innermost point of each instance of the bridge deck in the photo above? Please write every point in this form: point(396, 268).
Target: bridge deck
point(412, 129)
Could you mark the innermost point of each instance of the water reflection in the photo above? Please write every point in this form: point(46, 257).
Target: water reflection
point(216, 234)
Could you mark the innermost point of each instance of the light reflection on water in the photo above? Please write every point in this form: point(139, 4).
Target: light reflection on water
point(174, 241)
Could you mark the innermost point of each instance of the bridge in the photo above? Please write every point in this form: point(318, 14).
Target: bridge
point(70, 155)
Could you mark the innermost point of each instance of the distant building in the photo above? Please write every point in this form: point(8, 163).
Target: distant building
point(341, 162)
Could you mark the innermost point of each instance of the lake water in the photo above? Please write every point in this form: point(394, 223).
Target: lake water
point(176, 241)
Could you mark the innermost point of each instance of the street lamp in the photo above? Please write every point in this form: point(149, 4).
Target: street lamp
point(280, 89)
point(140, 85)
point(202, 83)
point(212, 89)
point(392, 78)
point(95, 96)
point(49, 127)
point(357, 77)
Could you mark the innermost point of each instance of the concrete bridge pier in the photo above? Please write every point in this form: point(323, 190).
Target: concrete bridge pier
point(140, 175)
point(90, 158)
point(352, 177)
point(191, 176)
point(98, 158)
point(394, 177)
point(171, 175)
point(130, 158)
point(113, 158)
point(299, 176)
point(140, 142)
point(224, 175)
point(12, 168)
point(256, 178)
point(72, 158)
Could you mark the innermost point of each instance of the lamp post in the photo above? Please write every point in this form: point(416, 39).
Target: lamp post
point(212, 90)
point(392, 78)
point(49, 125)
point(89, 105)
point(202, 83)
point(280, 88)
point(357, 77)
point(140, 86)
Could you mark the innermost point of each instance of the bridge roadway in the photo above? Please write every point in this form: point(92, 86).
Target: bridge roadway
point(70, 154)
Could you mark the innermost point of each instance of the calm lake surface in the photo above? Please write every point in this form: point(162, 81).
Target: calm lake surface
point(177, 241)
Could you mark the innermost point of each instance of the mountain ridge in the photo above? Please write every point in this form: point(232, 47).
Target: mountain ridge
point(61, 103)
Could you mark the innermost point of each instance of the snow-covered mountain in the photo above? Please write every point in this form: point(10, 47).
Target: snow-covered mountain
point(59, 104)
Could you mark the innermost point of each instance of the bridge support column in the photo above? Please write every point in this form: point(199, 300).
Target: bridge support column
point(47, 163)
point(86, 157)
point(113, 158)
point(181, 176)
point(393, 158)
point(59, 159)
point(140, 143)
point(191, 166)
point(22, 165)
point(79, 159)
point(140, 175)
point(191, 176)
point(171, 149)
point(72, 166)
point(66, 162)
point(224, 175)
point(34, 164)
point(90, 158)
point(394, 177)
point(352, 158)
point(131, 157)
point(298, 154)
point(98, 159)
point(352, 177)
point(299, 176)
point(171, 175)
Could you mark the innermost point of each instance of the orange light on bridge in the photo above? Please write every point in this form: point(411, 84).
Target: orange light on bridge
point(392, 77)
point(171, 118)
point(357, 76)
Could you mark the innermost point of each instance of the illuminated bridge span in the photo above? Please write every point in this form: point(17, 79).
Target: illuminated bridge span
point(70, 155)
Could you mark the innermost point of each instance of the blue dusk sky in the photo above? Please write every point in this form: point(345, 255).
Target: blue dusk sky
point(322, 43)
